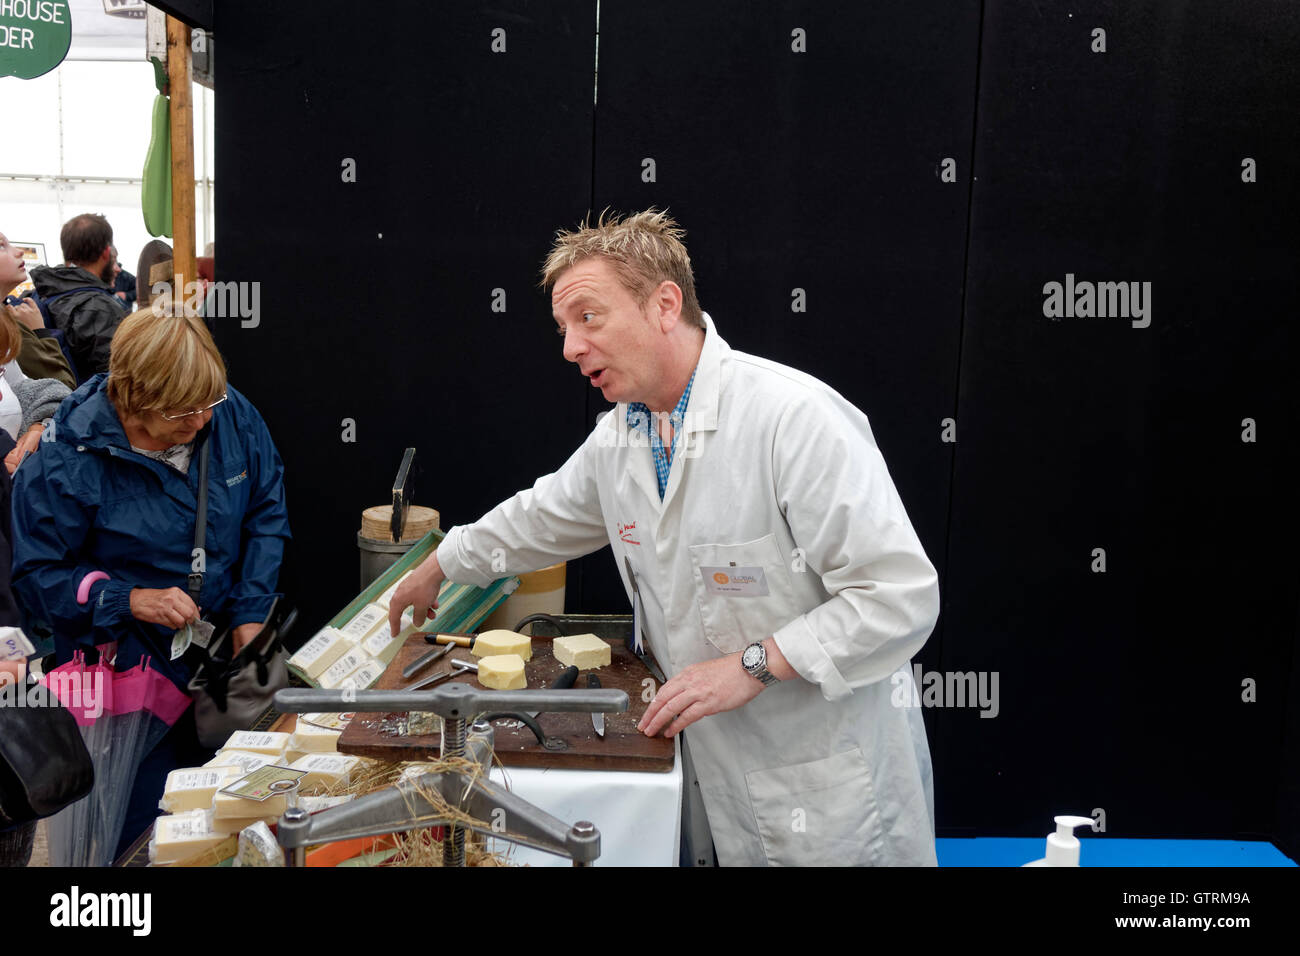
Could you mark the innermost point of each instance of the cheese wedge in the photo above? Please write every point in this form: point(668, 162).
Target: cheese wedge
point(315, 657)
point(584, 651)
point(193, 788)
point(364, 624)
point(503, 672)
point(493, 643)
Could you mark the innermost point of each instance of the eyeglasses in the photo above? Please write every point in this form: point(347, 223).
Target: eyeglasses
point(197, 411)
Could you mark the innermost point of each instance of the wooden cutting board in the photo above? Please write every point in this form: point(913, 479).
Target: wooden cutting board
point(622, 748)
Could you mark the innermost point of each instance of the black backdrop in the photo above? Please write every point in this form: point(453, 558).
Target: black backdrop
point(919, 170)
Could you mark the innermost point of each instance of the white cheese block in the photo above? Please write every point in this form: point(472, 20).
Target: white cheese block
point(363, 677)
point(386, 598)
point(192, 788)
point(383, 647)
point(182, 836)
point(494, 643)
point(227, 806)
point(325, 770)
point(583, 650)
point(309, 738)
point(245, 760)
point(367, 620)
point(315, 657)
point(258, 741)
point(503, 672)
point(344, 666)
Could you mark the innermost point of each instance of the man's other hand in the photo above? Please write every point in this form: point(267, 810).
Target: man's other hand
point(710, 687)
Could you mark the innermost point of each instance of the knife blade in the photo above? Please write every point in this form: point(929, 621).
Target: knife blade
point(425, 659)
point(597, 720)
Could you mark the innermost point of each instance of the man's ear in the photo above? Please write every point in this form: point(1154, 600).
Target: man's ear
point(667, 300)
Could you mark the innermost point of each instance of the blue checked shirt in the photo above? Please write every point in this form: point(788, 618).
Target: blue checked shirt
point(641, 418)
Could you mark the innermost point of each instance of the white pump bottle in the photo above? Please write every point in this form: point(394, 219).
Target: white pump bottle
point(1063, 845)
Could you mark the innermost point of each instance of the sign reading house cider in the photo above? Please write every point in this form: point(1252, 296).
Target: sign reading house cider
point(34, 36)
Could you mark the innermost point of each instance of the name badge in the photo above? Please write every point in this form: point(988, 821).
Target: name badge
point(735, 582)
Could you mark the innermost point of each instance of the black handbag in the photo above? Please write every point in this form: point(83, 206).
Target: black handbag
point(231, 694)
point(44, 764)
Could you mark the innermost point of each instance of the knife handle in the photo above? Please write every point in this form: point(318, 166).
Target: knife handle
point(593, 682)
point(566, 679)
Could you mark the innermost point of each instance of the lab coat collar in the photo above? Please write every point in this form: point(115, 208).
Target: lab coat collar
point(702, 411)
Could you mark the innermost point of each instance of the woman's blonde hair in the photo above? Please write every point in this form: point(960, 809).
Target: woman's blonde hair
point(11, 337)
point(163, 363)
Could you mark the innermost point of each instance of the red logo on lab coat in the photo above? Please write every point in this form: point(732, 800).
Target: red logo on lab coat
point(625, 532)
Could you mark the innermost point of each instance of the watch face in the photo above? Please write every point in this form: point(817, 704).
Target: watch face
point(752, 657)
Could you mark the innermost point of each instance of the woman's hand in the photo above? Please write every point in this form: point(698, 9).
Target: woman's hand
point(29, 443)
point(170, 607)
point(28, 313)
point(241, 635)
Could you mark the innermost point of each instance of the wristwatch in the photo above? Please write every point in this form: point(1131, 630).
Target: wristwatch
point(754, 660)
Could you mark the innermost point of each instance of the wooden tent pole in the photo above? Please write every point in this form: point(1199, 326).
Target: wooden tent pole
point(182, 138)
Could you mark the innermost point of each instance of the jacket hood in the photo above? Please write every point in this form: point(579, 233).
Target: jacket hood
point(51, 280)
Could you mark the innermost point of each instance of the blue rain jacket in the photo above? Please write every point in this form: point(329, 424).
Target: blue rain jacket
point(86, 502)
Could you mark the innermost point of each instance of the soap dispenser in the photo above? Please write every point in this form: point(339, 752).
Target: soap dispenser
point(1063, 845)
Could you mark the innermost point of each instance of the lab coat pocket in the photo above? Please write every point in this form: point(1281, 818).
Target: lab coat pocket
point(821, 813)
point(736, 615)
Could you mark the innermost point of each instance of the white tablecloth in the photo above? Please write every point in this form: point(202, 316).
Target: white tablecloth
point(638, 814)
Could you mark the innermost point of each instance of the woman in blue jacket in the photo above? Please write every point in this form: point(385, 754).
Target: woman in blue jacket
point(114, 489)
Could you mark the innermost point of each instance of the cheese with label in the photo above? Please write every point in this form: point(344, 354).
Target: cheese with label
point(363, 676)
point(382, 646)
point(503, 672)
point(386, 598)
point(258, 741)
point(584, 651)
point(325, 770)
point(245, 760)
point(307, 738)
point(364, 624)
point(182, 836)
point(315, 657)
point(193, 788)
point(493, 643)
point(343, 667)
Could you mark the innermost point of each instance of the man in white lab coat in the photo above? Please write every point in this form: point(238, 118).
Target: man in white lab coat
point(783, 587)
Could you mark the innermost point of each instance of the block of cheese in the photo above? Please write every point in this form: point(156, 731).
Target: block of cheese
point(583, 650)
point(315, 657)
point(363, 677)
point(503, 672)
point(312, 738)
point(258, 741)
point(386, 598)
point(245, 760)
point(325, 770)
point(344, 666)
point(181, 836)
point(227, 806)
point(212, 856)
point(493, 643)
point(382, 646)
point(366, 621)
point(193, 788)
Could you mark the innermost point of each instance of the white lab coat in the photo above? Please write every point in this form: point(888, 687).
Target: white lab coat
point(774, 470)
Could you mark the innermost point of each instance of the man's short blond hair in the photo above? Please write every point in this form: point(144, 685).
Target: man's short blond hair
point(163, 363)
point(645, 249)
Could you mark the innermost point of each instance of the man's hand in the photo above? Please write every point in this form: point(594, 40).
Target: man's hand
point(241, 635)
point(30, 443)
point(711, 687)
point(170, 607)
point(419, 591)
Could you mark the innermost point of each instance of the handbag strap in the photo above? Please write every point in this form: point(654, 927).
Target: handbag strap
point(195, 580)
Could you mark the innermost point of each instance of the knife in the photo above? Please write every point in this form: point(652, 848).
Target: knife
point(566, 679)
point(425, 659)
point(597, 720)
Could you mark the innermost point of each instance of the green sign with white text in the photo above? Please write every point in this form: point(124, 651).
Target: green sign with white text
point(34, 36)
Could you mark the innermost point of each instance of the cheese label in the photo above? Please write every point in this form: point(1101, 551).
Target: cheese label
point(265, 782)
point(195, 779)
point(735, 582)
point(365, 621)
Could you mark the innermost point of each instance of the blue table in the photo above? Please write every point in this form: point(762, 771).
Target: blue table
point(1108, 851)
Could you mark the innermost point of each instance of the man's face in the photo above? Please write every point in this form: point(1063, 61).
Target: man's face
point(615, 342)
point(13, 270)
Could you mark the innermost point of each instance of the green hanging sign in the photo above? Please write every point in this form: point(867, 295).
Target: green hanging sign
point(34, 36)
